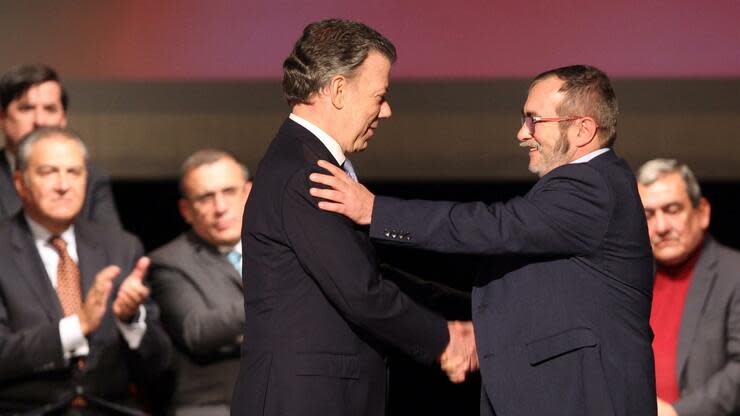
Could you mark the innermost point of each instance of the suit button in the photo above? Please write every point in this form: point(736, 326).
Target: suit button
point(394, 234)
point(386, 233)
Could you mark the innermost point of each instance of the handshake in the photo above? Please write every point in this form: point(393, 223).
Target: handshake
point(461, 356)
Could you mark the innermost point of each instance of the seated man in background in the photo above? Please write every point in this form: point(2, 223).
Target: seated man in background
point(74, 335)
point(33, 96)
point(196, 279)
point(696, 300)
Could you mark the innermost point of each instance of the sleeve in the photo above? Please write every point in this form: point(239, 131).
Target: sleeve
point(195, 327)
point(720, 395)
point(99, 204)
point(453, 304)
point(566, 213)
point(340, 258)
point(28, 351)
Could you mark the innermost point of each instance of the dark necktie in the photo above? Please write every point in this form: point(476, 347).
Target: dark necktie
point(68, 278)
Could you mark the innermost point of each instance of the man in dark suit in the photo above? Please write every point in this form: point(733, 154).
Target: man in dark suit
point(196, 281)
point(73, 336)
point(319, 317)
point(562, 303)
point(33, 96)
point(696, 300)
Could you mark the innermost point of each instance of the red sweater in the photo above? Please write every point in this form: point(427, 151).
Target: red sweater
point(669, 296)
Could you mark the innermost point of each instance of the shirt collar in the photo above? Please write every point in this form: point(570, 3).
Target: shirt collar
point(588, 156)
point(332, 145)
point(41, 234)
point(227, 249)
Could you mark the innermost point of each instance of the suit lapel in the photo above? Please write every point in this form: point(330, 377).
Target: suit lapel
point(703, 279)
point(91, 257)
point(28, 261)
point(210, 259)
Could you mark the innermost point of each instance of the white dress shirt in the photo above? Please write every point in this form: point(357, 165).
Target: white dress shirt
point(332, 145)
point(588, 156)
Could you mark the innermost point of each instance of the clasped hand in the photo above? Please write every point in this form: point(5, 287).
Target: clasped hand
point(461, 356)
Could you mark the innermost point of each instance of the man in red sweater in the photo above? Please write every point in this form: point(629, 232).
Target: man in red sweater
point(696, 298)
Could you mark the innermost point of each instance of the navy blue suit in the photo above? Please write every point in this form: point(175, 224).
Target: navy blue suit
point(319, 316)
point(561, 303)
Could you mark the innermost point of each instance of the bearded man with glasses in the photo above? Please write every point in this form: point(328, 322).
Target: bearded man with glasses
point(561, 303)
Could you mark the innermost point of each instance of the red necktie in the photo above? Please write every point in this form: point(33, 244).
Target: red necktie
point(68, 279)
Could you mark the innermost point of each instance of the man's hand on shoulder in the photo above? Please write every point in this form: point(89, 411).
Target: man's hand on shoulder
point(345, 196)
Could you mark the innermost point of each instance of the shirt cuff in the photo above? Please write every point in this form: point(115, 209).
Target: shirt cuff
point(74, 343)
point(133, 332)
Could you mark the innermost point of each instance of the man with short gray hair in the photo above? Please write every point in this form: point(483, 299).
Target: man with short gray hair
point(696, 298)
point(73, 334)
point(320, 318)
point(196, 280)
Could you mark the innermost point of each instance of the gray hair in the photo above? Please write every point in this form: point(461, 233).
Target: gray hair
point(326, 49)
point(655, 169)
point(207, 157)
point(42, 133)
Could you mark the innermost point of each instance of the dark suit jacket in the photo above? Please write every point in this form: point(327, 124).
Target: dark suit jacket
point(98, 207)
point(318, 313)
point(33, 371)
point(561, 306)
point(200, 296)
point(708, 355)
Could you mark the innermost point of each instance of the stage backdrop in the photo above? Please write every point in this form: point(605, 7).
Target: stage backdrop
point(151, 82)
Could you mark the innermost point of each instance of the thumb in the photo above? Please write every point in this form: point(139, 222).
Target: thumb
point(140, 269)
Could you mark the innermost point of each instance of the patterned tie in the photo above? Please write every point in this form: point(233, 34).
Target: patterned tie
point(235, 258)
point(68, 278)
point(347, 166)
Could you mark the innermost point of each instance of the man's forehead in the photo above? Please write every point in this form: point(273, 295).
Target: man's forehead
point(32, 92)
point(214, 176)
point(668, 188)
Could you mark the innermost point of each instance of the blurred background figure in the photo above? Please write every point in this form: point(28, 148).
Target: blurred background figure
point(32, 96)
point(73, 335)
point(196, 280)
point(696, 300)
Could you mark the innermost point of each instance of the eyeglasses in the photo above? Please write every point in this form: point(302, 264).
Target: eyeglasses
point(229, 195)
point(530, 121)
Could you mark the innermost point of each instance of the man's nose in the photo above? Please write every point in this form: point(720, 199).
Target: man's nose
point(661, 223)
point(385, 110)
point(523, 133)
point(219, 203)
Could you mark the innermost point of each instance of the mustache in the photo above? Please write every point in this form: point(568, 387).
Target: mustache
point(530, 143)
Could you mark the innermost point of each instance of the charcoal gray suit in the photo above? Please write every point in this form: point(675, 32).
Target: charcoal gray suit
point(708, 353)
point(33, 371)
point(200, 295)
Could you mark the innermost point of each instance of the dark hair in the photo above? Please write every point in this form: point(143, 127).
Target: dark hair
point(41, 133)
point(588, 92)
point(20, 78)
point(328, 48)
